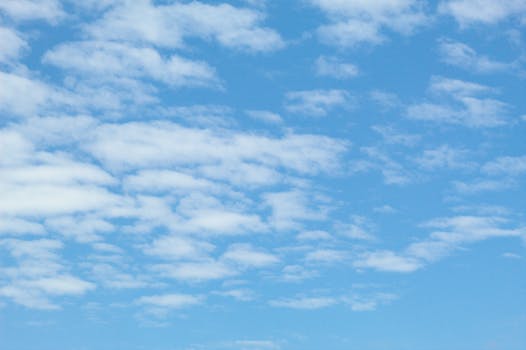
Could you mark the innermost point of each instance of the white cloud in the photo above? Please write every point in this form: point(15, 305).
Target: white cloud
point(385, 209)
point(393, 172)
point(82, 229)
point(387, 100)
point(481, 185)
point(297, 273)
point(238, 294)
point(304, 303)
point(159, 181)
point(467, 229)
point(446, 86)
point(36, 183)
point(395, 136)
point(463, 56)
point(169, 25)
point(242, 174)
point(45, 199)
point(14, 99)
point(350, 33)
point(288, 208)
point(460, 104)
point(335, 68)
point(50, 131)
point(314, 236)
point(358, 228)
point(317, 103)
point(447, 234)
point(175, 248)
point(12, 45)
point(111, 277)
point(452, 232)
point(245, 255)
point(48, 10)
point(468, 12)
point(132, 145)
point(511, 256)
point(16, 226)
point(325, 256)
point(38, 274)
point(170, 301)
point(224, 222)
point(265, 116)
point(509, 166)
point(355, 301)
point(444, 157)
point(60, 285)
point(385, 260)
point(357, 21)
point(368, 303)
point(99, 60)
point(255, 344)
point(196, 271)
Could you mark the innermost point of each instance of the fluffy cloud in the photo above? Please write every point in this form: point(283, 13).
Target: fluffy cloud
point(170, 301)
point(40, 183)
point(109, 60)
point(317, 103)
point(246, 256)
point(461, 55)
point(447, 235)
point(24, 10)
point(11, 45)
point(460, 104)
point(334, 68)
point(306, 303)
point(14, 100)
point(169, 25)
point(265, 116)
point(467, 12)
point(132, 145)
point(176, 248)
point(197, 271)
point(511, 166)
point(385, 260)
point(356, 21)
point(38, 274)
point(444, 157)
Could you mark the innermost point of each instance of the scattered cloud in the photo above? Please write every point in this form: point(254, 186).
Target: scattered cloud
point(12, 44)
point(304, 303)
point(396, 137)
point(358, 22)
point(508, 166)
point(444, 157)
point(335, 68)
point(461, 55)
point(170, 301)
point(169, 25)
point(387, 261)
point(469, 12)
point(245, 255)
point(100, 60)
point(317, 103)
point(460, 103)
point(27, 10)
point(265, 116)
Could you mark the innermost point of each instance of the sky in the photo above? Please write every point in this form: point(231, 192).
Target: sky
point(262, 175)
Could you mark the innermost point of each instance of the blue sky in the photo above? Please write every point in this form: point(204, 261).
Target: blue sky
point(262, 175)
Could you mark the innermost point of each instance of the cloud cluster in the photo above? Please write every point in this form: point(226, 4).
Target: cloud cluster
point(357, 22)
